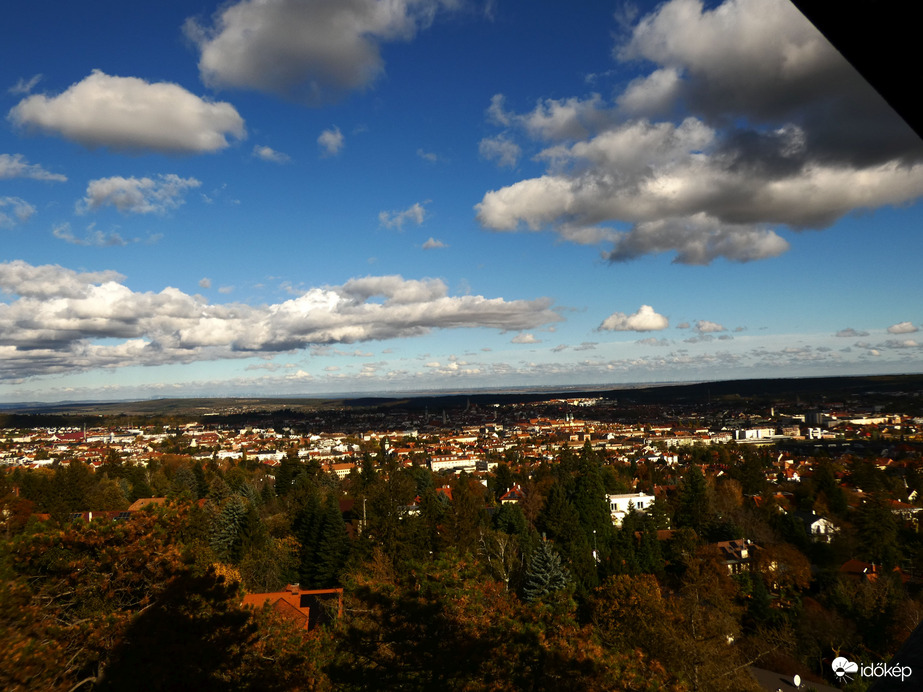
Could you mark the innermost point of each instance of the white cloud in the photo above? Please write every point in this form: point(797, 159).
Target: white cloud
point(701, 188)
point(205, 282)
point(900, 343)
point(566, 119)
point(525, 339)
point(137, 195)
point(433, 244)
point(129, 114)
point(15, 166)
point(500, 149)
point(20, 211)
point(553, 119)
point(651, 94)
point(706, 327)
point(269, 154)
point(57, 316)
point(644, 320)
point(902, 328)
point(331, 141)
point(415, 213)
point(308, 51)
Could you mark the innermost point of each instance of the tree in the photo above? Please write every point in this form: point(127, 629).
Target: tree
point(466, 513)
point(694, 510)
point(877, 531)
point(546, 574)
point(193, 636)
point(448, 626)
point(115, 605)
point(324, 542)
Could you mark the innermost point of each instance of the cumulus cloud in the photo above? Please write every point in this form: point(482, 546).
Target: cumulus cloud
point(415, 213)
point(331, 141)
point(644, 320)
point(55, 317)
point(706, 327)
point(430, 156)
point(763, 60)
point(900, 343)
point(137, 195)
point(500, 149)
point(902, 328)
point(129, 114)
point(16, 166)
point(313, 52)
point(205, 282)
point(554, 119)
point(525, 339)
point(433, 244)
point(705, 188)
point(19, 211)
point(269, 154)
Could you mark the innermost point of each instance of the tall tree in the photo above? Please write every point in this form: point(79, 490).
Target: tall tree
point(694, 507)
point(546, 574)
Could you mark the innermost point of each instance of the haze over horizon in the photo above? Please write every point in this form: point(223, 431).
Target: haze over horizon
point(290, 198)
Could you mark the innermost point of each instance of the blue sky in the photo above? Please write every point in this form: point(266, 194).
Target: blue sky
point(292, 197)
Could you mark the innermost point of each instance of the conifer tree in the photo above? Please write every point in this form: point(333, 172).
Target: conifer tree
point(546, 574)
point(332, 547)
point(225, 532)
point(693, 502)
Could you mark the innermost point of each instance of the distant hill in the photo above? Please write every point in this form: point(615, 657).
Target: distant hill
point(815, 389)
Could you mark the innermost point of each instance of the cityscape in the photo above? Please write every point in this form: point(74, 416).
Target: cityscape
point(456, 345)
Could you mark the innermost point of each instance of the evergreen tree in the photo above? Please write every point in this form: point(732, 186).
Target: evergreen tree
point(694, 507)
point(225, 533)
point(332, 547)
point(289, 467)
point(546, 574)
point(650, 557)
point(184, 485)
point(502, 480)
point(201, 483)
point(324, 541)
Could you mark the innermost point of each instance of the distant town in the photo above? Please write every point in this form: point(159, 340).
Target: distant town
point(795, 507)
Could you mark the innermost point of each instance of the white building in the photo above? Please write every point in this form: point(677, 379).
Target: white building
point(620, 505)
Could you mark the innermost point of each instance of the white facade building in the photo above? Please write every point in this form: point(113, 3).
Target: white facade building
point(619, 505)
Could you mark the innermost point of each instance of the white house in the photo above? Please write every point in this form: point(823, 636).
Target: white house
point(818, 528)
point(619, 505)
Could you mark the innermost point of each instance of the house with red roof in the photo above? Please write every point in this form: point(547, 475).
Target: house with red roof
point(307, 608)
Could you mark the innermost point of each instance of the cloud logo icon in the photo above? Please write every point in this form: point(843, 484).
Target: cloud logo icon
point(842, 667)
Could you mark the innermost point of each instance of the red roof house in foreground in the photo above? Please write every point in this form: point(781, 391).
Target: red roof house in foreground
point(306, 608)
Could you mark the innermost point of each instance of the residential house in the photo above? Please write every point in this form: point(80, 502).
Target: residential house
point(620, 505)
point(306, 608)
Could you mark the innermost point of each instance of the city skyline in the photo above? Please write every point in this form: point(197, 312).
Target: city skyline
point(303, 198)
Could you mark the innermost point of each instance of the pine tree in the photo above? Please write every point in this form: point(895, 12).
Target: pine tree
point(332, 547)
point(694, 507)
point(546, 573)
point(225, 534)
